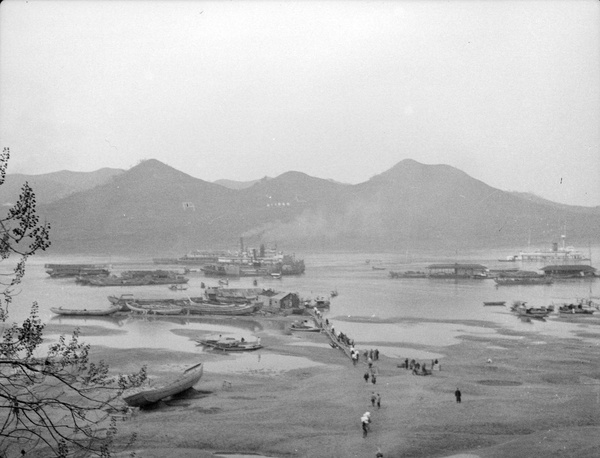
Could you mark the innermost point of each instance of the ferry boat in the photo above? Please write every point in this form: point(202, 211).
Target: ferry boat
point(557, 254)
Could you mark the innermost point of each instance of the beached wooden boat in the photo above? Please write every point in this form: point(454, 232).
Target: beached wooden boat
point(492, 303)
point(85, 312)
point(236, 346)
point(208, 308)
point(534, 312)
point(157, 308)
point(124, 298)
point(163, 387)
point(220, 339)
point(304, 326)
point(178, 287)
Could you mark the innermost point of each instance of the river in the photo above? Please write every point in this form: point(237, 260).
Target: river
point(372, 308)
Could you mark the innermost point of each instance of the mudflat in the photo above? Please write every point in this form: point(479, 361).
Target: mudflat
point(523, 395)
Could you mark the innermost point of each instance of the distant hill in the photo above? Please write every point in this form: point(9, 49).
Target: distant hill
point(53, 186)
point(540, 200)
point(231, 184)
point(155, 209)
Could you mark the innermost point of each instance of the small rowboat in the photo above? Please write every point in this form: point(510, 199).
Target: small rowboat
point(86, 312)
point(162, 388)
point(499, 303)
point(155, 309)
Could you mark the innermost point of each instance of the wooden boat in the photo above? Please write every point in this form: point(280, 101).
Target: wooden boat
point(408, 274)
point(377, 268)
point(86, 312)
point(237, 346)
point(529, 280)
point(157, 308)
point(534, 313)
point(220, 340)
point(124, 298)
point(319, 302)
point(498, 303)
point(180, 287)
point(575, 310)
point(75, 270)
point(304, 326)
point(136, 278)
point(209, 308)
point(163, 387)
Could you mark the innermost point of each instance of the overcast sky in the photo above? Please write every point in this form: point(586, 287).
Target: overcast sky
point(507, 91)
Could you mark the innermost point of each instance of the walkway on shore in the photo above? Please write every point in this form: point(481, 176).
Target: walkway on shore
point(320, 322)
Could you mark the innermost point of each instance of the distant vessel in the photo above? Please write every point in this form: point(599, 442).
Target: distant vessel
point(134, 278)
point(75, 270)
point(558, 254)
point(457, 271)
point(195, 257)
point(537, 280)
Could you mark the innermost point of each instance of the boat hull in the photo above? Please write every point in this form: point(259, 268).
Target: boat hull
point(163, 388)
point(220, 309)
point(155, 309)
point(85, 312)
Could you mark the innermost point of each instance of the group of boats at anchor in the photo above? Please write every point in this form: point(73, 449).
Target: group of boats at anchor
point(100, 275)
point(215, 301)
point(582, 307)
point(502, 277)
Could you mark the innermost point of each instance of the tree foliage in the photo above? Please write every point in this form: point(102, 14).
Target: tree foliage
point(61, 404)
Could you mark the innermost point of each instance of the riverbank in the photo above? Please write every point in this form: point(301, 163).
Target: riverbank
point(522, 395)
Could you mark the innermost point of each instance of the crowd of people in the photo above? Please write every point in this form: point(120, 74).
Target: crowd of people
point(419, 368)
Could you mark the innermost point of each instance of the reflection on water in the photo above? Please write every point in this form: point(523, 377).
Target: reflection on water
point(433, 334)
point(238, 455)
point(259, 362)
point(156, 333)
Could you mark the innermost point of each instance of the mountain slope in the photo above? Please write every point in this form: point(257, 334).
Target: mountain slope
point(153, 208)
point(53, 186)
point(150, 206)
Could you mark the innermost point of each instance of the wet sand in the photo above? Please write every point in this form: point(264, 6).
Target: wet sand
point(538, 397)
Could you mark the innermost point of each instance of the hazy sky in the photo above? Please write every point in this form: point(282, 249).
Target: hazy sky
point(507, 91)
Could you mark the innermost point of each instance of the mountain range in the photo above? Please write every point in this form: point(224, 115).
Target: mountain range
point(155, 209)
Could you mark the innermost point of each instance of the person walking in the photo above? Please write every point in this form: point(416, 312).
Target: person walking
point(378, 401)
point(457, 394)
point(366, 377)
point(376, 354)
point(379, 453)
point(373, 379)
point(373, 398)
point(365, 420)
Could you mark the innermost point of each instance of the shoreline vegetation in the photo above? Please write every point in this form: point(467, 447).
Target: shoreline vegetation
point(529, 395)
